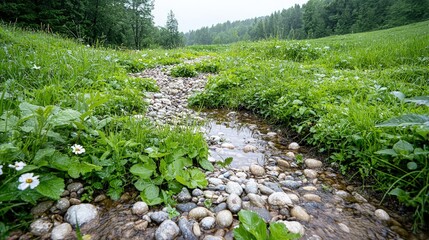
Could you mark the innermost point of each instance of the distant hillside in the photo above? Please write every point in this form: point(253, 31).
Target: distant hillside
point(315, 19)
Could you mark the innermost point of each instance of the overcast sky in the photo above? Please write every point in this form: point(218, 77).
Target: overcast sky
point(194, 14)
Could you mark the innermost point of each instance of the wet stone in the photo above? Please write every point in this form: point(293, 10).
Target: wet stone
point(186, 228)
point(81, 214)
point(344, 227)
point(257, 170)
point(313, 163)
point(220, 207)
point(283, 163)
point(74, 187)
point(294, 227)
point(40, 227)
point(382, 215)
point(273, 186)
point(140, 208)
point(251, 187)
point(100, 198)
point(208, 223)
point(279, 199)
point(312, 197)
point(224, 219)
point(41, 208)
point(300, 213)
point(159, 216)
point(184, 195)
point(265, 190)
point(233, 187)
point(197, 192)
point(234, 203)
point(186, 207)
point(257, 200)
point(291, 184)
point(61, 231)
point(62, 204)
point(168, 230)
point(293, 146)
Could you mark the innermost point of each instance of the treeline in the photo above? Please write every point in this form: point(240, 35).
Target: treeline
point(126, 23)
point(316, 18)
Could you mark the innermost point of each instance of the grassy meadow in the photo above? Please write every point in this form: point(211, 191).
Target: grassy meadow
point(70, 111)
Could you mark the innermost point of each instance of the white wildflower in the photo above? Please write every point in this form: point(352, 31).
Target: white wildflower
point(28, 180)
point(35, 67)
point(1, 169)
point(18, 165)
point(77, 149)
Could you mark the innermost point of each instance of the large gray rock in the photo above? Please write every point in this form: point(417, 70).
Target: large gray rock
point(279, 199)
point(234, 203)
point(40, 227)
point(81, 214)
point(224, 219)
point(233, 187)
point(140, 208)
point(61, 231)
point(168, 230)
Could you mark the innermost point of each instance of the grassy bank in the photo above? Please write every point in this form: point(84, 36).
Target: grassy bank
point(347, 95)
point(69, 111)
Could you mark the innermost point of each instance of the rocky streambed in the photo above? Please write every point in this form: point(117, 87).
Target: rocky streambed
point(269, 175)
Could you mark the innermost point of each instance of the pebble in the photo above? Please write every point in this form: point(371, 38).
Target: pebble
point(81, 214)
point(184, 196)
point(74, 187)
point(251, 187)
point(233, 187)
point(249, 148)
point(40, 227)
point(257, 170)
point(300, 213)
point(224, 219)
point(215, 181)
point(291, 184)
point(257, 200)
point(310, 188)
point(234, 203)
point(140, 208)
point(220, 207)
point(197, 192)
point(41, 208)
point(271, 134)
point(279, 199)
point(186, 207)
point(265, 190)
point(186, 229)
point(208, 223)
point(100, 198)
point(290, 155)
point(62, 204)
point(227, 145)
point(313, 163)
point(312, 197)
point(199, 213)
point(382, 215)
point(211, 237)
point(359, 197)
point(293, 146)
point(293, 197)
point(344, 227)
point(168, 230)
point(310, 173)
point(283, 163)
point(241, 175)
point(294, 227)
point(196, 229)
point(141, 225)
point(61, 231)
point(159, 216)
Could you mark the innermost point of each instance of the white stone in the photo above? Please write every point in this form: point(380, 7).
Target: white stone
point(199, 212)
point(271, 134)
point(257, 200)
point(40, 227)
point(382, 215)
point(251, 187)
point(310, 173)
point(293, 146)
point(293, 197)
point(234, 203)
point(241, 175)
point(294, 227)
point(81, 214)
point(215, 181)
point(208, 223)
point(224, 219)
point(290, 155)
point(300, 213)
point(279, 199)
point(233, 187)
point(249, 148)
point(313, 163)
point(344, 227)
point(312, 197)
point(227, 145)
point(61, 231)
point(140, 208)
point(257, 170)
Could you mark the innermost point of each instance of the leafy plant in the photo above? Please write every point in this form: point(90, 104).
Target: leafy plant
point(253, 227)
point(183, 70)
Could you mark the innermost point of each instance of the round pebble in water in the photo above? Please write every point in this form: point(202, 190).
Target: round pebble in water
point(293, 146)
point(382, 215)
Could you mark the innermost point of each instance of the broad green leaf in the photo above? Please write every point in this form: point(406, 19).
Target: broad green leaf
point(423, 131)
point(422, 100)
point(254, 224)
point(419, 151)
point(206, 164)
point(141, 171)
point(389, 152)
point(30, 196)
point(60, 162)
point(142, 184)
point(114, 193)
point(279, 231)
point(43, 154)
point(8, 123)
point(398, 95)
point(51, 187)
point(151, 195)
point(115, 183)
point(8, 153)
point(88, 167)
point(412, 165)
point(406, 120)
point(403, 147)
point(240, 233)
point(28, 109)
point(198, 178)
point(55, 136)
point(64, 117)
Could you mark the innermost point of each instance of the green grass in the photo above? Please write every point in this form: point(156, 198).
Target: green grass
point(56, 93)
point(333, 92)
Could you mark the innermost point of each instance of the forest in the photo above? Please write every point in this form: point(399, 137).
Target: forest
point(315, 19)
point(129, 23)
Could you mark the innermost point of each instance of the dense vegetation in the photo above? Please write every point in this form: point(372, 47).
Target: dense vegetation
point(363, 99)
point(124, 23)
point(315, 19)
point(68, 111)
